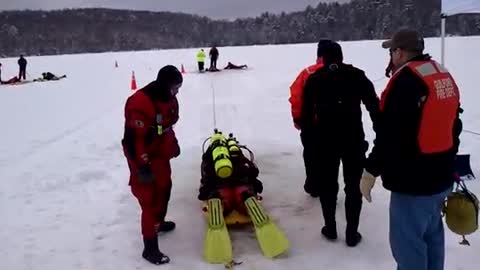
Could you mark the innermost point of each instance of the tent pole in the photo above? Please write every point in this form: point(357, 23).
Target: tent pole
point(444, 19)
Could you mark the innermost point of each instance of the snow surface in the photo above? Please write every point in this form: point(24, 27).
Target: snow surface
point(64, 198)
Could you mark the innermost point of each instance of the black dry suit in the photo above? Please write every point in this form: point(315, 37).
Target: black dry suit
point(332, 118)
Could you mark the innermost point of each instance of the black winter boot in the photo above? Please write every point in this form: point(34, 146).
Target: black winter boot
point(166, 226)
point(330, 228)
point(151, 252)
point(310, 190)
point(353, 239)
point(330, 232)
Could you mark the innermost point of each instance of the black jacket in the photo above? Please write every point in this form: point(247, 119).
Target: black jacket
point(396, 156)
point(48, 76)
point(22, 62)
point(214, 53)
point(332, 101)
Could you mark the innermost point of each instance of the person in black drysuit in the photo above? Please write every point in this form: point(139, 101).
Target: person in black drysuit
point(48, 76)
point(332, 115)
point(233, 66)
point(213, 58)
point(22, 63)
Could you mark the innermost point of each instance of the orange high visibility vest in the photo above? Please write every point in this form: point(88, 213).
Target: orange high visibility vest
point(440, 106)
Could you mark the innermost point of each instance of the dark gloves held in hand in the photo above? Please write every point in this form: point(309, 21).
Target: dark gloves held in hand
point(145, 174)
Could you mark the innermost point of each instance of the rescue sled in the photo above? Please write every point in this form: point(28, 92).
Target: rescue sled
point(234, 218)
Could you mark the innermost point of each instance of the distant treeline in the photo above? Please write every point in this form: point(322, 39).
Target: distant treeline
point(98, 30)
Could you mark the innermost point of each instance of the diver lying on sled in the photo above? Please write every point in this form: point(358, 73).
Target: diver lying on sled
point(229, 189)
point(227, 174)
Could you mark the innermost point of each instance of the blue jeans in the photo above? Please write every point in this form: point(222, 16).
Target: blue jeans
point(417, 237)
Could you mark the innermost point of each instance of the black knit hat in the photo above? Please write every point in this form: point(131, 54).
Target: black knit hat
point(333, 54)
point(169, 76)
point(322, 45)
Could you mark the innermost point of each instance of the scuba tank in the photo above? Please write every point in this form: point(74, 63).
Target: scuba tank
point(232, 145)
point(220, 154)
point(222, 150)
point(461, 211)
point(235, 148)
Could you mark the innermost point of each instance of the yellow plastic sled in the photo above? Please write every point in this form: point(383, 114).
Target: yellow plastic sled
point(232, 219)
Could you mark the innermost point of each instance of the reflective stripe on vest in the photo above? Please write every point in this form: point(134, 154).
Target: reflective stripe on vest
point(439, 107)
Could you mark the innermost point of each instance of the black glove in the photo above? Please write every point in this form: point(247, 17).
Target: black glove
point(145, 174)
point(202, 193)
point(177, 151)
point(258, 186)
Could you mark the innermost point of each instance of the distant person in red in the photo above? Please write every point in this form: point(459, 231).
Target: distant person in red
point(22, 63)
point(11, 81)
point(149, 144)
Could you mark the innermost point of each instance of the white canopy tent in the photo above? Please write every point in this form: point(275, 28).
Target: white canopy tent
point(454, 7)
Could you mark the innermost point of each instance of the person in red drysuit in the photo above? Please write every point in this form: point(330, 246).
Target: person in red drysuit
point(149, 144)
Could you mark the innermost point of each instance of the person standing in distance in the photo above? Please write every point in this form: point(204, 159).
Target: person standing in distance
point(22, 64)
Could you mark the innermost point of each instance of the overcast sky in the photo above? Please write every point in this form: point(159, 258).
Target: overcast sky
point(212, 8)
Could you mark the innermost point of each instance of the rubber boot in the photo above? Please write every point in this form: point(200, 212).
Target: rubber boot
point(166, 226)
point(151, 252)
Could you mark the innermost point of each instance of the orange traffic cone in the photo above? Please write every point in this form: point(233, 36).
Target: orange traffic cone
point(183, 70)
point(134, 82)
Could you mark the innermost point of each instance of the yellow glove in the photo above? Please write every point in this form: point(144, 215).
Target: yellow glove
point(366, 184)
